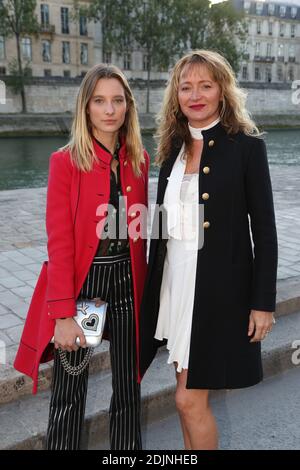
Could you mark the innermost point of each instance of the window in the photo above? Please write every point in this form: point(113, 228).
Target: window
point(2, 71)
point(247, 6)
point(47, 73)
point(26, 48)
point(83, 25)
point(2, 48)
point(127, 61)
point(279, 74)
point(269, 50)
point(44, 14)
point(293, 12)
point(64, 14)
point(280, 50)
point(268, 75)
point(66, 52)
point(46, 50)
point(293, 30)
point(292, 50)
point(256, 73)
point(282, 10)
point(145, 61)
point(258, 27)
point(271, 8)
point(107, 57)
point(291, 74)
point(245, 72)
point(282, 29)
point(259, 8)
point(67, 73)
point(270, 28)
point(245, 49)
point(84, 54)
point(257, 48)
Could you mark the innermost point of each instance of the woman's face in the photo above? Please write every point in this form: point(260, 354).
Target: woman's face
point(107, 107)
point(198, 95)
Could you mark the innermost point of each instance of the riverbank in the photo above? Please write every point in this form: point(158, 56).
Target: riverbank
point(59, 124)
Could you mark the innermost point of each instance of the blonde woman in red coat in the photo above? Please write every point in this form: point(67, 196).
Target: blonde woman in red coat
point(103, 161)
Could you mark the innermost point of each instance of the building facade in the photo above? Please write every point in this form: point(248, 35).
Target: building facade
point(64, 47)
point(272, 47)
point(68, 48)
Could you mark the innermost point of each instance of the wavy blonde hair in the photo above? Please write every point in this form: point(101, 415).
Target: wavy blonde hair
point(81, 144)
point(172, 124)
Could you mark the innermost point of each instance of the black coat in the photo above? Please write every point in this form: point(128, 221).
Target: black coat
point(232, 278)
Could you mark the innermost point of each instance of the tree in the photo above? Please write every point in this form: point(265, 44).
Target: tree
point(144, 24)
point(217, 27)
point(164, 29)
point(191, 22)
point(111, 14)
point(17, 18)
point(153, 31)
point(226, 28)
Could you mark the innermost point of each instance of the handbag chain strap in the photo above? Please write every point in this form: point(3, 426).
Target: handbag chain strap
point(75, 370)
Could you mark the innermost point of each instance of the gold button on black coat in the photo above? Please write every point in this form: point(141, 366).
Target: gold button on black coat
point(211, 143)
point(206, 170)
point(205, 196)
point(206, 224)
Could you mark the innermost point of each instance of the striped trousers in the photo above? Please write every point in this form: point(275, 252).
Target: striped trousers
point(110, 279)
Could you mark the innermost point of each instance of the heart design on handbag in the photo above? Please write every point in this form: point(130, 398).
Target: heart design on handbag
point(91, 323)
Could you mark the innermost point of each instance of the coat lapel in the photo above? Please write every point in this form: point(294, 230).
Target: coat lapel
point(165, 172)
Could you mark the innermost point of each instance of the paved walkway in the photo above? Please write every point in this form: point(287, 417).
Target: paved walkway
point(23, 246)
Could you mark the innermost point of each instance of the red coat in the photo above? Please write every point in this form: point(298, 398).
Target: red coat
point(71, 220)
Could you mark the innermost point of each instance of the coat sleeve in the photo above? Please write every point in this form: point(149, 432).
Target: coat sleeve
point(263, 228)
point(59, 226)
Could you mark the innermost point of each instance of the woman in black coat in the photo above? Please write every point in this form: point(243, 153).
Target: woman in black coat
point(213, 304)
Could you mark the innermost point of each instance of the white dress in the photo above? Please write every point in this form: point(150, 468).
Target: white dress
point(179, 275)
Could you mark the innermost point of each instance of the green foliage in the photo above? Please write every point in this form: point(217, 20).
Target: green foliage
point(165, 29)
point(14, 80)
point(226, 27)
point(18, 17)
point(191, 20)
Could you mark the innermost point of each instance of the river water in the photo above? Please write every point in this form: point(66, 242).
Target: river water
point(24, 160)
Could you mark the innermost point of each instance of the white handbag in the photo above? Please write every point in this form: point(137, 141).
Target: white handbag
point(91, 320)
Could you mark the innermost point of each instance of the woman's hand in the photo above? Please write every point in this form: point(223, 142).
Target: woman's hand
point(261, 323)
point(65, 333)
point(98, 301)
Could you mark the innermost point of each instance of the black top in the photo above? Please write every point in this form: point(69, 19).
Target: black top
point(114, 238)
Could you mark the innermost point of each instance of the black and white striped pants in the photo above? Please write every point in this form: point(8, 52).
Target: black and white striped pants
point(110, 279)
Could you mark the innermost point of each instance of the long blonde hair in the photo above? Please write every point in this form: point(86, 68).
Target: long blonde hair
point(81, 144)
point(172, 124)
